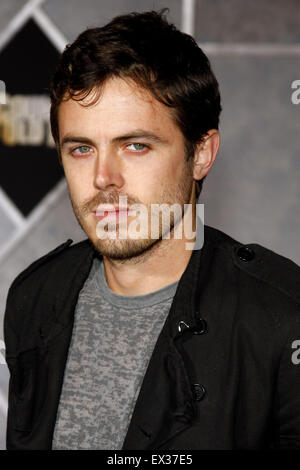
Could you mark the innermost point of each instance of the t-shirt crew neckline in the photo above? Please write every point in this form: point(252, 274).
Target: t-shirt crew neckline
point(130, 301)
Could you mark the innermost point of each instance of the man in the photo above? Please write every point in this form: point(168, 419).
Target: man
point(140, 342)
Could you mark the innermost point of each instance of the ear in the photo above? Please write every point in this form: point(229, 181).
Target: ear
point(205, 154)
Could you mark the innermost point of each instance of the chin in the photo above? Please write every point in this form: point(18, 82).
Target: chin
point(123, 249)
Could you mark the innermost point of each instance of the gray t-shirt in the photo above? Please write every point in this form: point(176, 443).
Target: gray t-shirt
point(112, 341)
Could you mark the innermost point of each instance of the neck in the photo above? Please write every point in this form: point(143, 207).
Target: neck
point(156, 268)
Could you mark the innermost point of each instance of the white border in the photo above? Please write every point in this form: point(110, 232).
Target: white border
point(49, 28)
point(24, 224)
point(41, 210)
point(11, 211)
point(18, 21)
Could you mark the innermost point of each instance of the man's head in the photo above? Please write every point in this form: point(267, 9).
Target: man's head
point(137, 75)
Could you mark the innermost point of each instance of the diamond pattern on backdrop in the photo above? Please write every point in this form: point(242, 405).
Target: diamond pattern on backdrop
point(29, 165)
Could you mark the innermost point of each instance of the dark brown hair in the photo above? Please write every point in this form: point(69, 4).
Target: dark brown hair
point(153, 53)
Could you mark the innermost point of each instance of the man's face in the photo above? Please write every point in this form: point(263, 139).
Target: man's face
point(127, 144)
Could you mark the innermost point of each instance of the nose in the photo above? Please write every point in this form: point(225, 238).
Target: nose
point(108, 171)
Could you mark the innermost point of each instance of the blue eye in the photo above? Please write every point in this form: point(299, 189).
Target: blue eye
point(82, 150)
point(138, 146)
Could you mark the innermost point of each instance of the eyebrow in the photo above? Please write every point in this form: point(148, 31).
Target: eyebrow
point(122, 138)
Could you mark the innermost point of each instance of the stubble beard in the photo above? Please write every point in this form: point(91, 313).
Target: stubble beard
point(135, 250)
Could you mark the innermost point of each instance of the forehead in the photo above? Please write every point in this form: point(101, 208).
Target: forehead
point(121, 106)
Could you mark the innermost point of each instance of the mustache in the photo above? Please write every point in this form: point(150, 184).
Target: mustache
point(105, 198)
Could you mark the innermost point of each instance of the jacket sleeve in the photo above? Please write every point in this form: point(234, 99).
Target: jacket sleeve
point(287, 400)
point(11, 342)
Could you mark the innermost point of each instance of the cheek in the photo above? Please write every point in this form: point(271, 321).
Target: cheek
point(158, 184)
point(80, 185)
point(165, 171)
point(170, 170)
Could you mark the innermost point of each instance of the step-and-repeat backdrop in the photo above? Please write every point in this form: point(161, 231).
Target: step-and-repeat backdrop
point(252, 192)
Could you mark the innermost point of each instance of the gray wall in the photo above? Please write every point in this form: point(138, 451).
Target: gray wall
point(252, 192)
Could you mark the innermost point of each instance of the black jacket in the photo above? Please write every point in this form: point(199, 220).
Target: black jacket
point(224, 373)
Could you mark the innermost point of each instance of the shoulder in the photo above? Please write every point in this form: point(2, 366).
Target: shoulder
point(33, 294)
point(62, 255)
point(259, 266)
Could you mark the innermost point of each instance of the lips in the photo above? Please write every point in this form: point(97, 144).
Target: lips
point(111, 215)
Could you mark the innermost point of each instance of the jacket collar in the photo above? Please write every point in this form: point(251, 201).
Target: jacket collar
point(183, 312)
